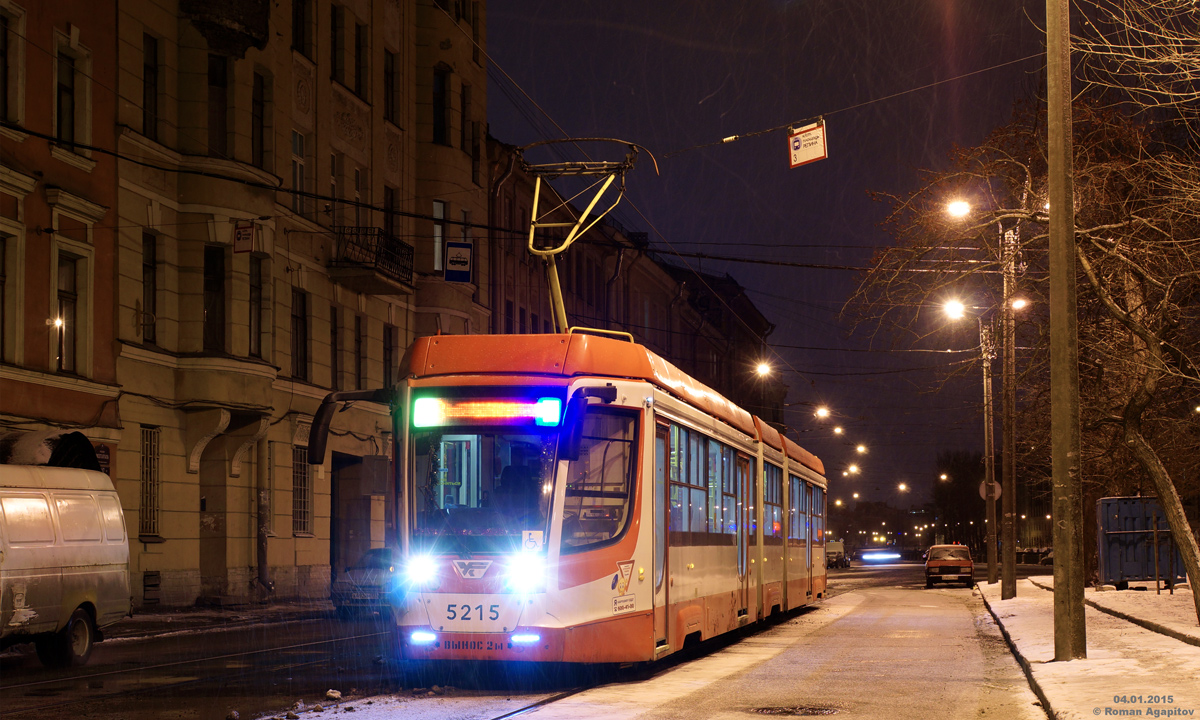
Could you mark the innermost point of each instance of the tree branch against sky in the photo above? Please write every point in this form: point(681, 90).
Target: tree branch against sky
point(1139, 265)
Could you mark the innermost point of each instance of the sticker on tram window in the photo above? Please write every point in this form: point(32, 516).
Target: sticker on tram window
point(531, 540)
point(625, 572)
point(623, 604)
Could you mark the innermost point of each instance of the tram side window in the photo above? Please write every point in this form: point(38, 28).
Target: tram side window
point(796, 525)
point(689, 491)
point(818, 514)
point(600, 482)
point(773, 502)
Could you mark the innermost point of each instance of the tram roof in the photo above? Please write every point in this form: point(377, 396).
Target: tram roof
point(575, 354)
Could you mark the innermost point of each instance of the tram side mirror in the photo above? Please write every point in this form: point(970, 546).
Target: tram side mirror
point(573, 418)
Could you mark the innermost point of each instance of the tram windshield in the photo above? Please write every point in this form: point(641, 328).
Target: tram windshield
point(480, 489)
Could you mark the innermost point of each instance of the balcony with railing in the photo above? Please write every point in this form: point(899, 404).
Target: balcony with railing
point(369, 260)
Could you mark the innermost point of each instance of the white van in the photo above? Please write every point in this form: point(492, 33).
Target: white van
point(64, 560)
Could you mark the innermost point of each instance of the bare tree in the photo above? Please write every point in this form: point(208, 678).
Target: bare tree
point(1139, 278)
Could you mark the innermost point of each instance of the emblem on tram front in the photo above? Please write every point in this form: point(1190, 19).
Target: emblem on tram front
point(471, 569)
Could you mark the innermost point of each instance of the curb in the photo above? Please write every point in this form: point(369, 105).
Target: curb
point(1025, 666)
point(1148, 624)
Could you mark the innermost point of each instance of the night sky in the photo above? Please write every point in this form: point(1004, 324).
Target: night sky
point(898, 82)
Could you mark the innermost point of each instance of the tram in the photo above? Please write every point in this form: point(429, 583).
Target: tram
point(576, 498)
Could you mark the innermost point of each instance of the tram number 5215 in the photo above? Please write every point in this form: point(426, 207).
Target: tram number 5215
point(471, 612)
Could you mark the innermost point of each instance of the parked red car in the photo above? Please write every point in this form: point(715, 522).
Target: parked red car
point(949, 563)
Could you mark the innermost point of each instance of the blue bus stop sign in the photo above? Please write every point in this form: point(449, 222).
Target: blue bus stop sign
point(458, 262)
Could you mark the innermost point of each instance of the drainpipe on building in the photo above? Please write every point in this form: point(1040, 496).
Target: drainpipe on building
point(493, 257)
point(263, 475)
point(608, 286)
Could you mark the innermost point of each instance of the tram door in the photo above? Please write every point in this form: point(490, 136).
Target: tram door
point(661, 514)
point(743, 551)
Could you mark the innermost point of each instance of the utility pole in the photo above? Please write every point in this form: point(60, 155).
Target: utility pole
point(987, 346)
point(1070, 630)
point(1008, 494)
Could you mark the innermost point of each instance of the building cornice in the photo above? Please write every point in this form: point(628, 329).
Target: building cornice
point(63, 200)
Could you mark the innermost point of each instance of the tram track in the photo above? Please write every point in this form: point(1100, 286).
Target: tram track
point(146, 687)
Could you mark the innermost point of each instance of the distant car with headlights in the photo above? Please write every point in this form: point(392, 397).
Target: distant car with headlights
point(949, 563)
point(366, 586)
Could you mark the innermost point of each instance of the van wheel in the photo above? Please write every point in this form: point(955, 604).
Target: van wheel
point(70, 646)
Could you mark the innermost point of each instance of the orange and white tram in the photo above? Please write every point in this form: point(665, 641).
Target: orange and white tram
point(576, 498)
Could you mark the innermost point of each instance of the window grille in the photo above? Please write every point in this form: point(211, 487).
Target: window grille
point(302, 492)
point(151, 482)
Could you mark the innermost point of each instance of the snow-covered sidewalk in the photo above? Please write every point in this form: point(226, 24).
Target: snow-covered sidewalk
point(1130, 671)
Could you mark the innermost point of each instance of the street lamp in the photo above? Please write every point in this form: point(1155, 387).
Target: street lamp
point(861, 449)
point(1008, 245)
point(822, 412)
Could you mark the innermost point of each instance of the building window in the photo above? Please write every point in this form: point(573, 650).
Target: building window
point(439, 232)
point(6, 67)
point(441, 111)
point(3, 298)
point(214, 299)
point(360, 357)
point(335, 172)
point(302, 492)
point(464, 120)
point(302, 27)
point(299, 334)
point(64, 105)
point(534, 324)
point(68, 306)
point(149, 319)
point(391, 87)
point(218, 106)
point(521, 321)
point(258, 121)
point(508, 317)
point(335, 349)
point(300, 203)
point(390, 333)
point(360, 209)
point(256, 305)
point(475, 32)
point(151, 495)
point(337, 44)
point(390, 206)
point(150, 86)
point(361, 53)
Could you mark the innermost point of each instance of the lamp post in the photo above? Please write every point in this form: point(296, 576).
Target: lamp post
point(1008, 533)
point(987, 351)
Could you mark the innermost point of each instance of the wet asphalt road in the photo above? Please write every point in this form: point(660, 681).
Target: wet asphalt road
point(897, 636)
point(252, 670)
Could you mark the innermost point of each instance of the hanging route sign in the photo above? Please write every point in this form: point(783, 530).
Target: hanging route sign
point(807, 144)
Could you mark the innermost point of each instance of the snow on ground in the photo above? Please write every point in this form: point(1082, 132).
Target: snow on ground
point(1129, 671)
point(1176, 613)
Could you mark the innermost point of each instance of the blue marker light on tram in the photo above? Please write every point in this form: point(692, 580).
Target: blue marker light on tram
point(547, 411)
point(525, 638)
point(422, 637)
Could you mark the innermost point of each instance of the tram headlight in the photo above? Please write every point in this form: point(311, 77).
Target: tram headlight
point(421, 570)
point(526, 573)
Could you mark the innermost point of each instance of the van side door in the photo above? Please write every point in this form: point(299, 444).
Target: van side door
point(32, 592)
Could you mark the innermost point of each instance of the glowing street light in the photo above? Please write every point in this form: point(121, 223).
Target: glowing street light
point(853, 469)
point(763, 369)
point(955, 309)
point(944, 476)
point(902, 487)
point(861, 449)
point(838, 430)
point(822, 412)
point(855, 496)
point(1019, 303)
point(958, 208)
